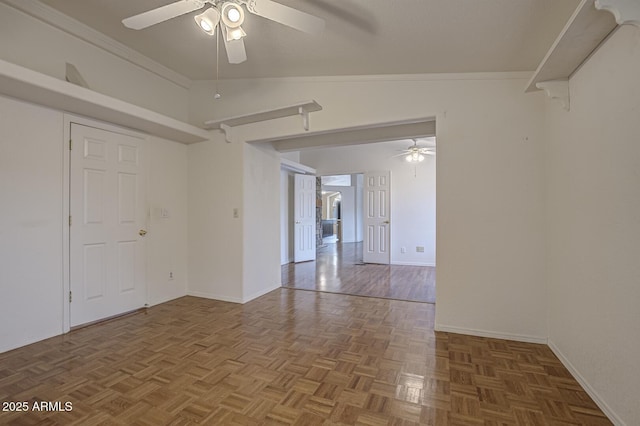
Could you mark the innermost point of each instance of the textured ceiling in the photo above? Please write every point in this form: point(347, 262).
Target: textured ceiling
point(362, 37)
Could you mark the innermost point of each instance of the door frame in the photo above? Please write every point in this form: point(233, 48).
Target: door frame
point(68, 120)
point(289, 167)
point(359, 214)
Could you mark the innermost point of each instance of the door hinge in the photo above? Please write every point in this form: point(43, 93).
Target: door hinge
point(70, 297)
point(69, 220)
point(70, 144)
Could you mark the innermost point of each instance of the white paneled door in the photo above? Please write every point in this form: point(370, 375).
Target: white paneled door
point(377, 221)
point(108, 216)
point(304, 191)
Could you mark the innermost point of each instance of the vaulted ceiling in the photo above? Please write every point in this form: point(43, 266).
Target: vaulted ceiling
point(361, 37)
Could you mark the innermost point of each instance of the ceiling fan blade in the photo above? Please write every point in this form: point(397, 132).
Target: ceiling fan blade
point(161, 14)
point(286, 15)
point(236, 52)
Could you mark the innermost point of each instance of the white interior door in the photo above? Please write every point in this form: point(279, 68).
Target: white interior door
point(108, 215)
point(377, 229)
point(304, 213)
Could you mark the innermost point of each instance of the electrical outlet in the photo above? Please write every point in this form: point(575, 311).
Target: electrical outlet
point(420, 249)
point(403, 249)
point(236, 213)
point(170, 275)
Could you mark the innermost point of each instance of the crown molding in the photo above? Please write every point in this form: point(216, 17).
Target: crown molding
point(498, 75)
point(77, 29)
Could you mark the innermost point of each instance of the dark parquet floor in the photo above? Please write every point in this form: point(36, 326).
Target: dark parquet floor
point(289, 358)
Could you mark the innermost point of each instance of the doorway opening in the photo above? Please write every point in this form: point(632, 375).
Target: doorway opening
point(331, 206)
point(341, 212)
point(340, 266)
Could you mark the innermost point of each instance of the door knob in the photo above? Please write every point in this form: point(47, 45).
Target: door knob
point(386, 221)
point(142, 232)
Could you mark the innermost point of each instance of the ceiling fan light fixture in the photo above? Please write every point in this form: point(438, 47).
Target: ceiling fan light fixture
point(235, 33)
point(232, 14)
point(414, 157)
point(208, 20)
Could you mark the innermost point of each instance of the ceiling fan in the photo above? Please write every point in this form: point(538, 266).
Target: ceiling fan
point(415, 153)
point(228, 16)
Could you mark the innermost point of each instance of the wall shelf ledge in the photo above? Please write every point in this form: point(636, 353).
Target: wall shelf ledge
point(624, 11)
point(31, 86)
point(301, 108)
point(587, 28)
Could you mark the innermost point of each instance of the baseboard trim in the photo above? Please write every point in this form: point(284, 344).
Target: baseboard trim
point(260, 293)
point(109, 318)
point(214, 296)
point(400, 263)
point(491, 334)
point(586, 386)
point(166, 299)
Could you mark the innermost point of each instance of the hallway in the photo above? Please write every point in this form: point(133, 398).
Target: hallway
point(338, 268)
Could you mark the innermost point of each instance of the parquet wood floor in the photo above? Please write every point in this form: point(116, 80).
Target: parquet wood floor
point(338, 268)
point(289, 358)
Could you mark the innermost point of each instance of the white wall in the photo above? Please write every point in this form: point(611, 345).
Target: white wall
point(31, 223)
point(293, 156)
point(215, 236)
point(490, 211)
point(261, 224)
point(413, 198)
point(490, 178)
point(38, 151)
point(29, 42)
point(167, 237)
point(593, 226)
point(32, 226)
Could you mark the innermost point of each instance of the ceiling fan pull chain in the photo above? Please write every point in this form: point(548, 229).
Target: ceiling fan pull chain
point(217, 95)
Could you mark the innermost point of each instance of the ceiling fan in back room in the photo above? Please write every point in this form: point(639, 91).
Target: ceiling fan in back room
point(416, 153)
point(227, 16)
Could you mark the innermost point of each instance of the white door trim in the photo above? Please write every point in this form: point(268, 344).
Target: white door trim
point(68, 119)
